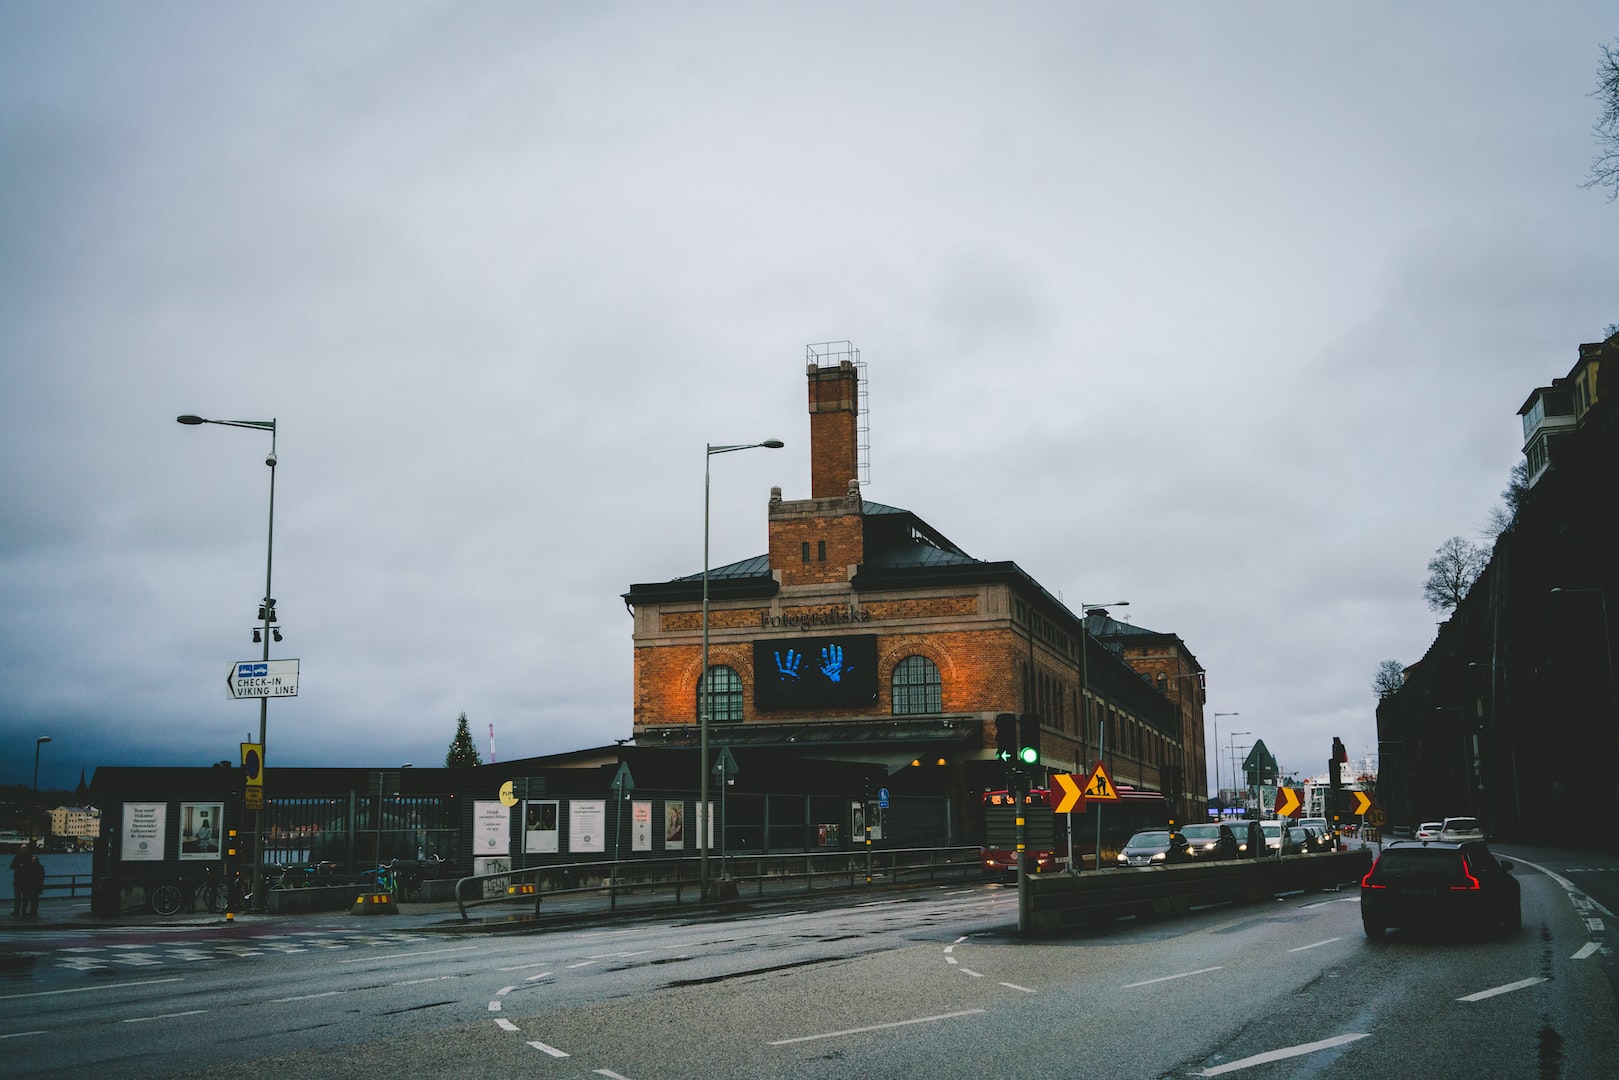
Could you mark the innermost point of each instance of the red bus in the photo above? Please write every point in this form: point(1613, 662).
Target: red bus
point(1049, 838)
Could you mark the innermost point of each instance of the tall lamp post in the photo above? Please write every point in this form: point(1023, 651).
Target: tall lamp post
point(703, 707)
point(1234, 735)
point(1219, 792)
point(33, 807)
point(266, 612)
point(1084, 706)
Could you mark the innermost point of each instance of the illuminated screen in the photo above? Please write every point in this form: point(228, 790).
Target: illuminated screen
point(793, 673)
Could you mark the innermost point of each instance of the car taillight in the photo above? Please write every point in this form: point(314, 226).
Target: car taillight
point(1367, 882)
point(1472, 882)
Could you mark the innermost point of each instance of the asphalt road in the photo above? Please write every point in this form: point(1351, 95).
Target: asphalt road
point(927, 983)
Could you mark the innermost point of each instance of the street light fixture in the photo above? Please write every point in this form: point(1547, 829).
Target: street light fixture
point(1219, 792)
point(266, 610)
point(33, 807)
point(1084, 706)
point(703, 689)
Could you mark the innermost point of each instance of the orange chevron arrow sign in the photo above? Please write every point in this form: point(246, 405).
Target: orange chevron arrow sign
point(1363, 803)
point(1287, 802)
point(1073, 792)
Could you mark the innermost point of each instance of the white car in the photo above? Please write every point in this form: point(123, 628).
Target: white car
point(1429, 830)
point(1457, 829)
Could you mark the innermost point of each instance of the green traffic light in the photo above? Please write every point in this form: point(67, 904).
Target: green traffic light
point(1029, 755)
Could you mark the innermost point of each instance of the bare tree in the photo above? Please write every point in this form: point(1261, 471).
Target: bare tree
point(1605, 166)
point(1504, 516)
point(1455, 565)
point(1389, 678)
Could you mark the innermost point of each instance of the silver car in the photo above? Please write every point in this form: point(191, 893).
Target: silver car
point(1457, 829)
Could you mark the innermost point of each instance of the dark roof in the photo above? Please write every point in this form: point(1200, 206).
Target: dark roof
point(869, 735)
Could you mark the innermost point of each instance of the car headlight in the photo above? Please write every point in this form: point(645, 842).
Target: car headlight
point(1158, 856)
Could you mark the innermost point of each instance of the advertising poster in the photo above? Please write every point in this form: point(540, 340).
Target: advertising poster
point(587, 820)
point(144, 827)
point(641, 826)
point(491, 828)
point(674, 826)
point(200, 826)
point(540, 827)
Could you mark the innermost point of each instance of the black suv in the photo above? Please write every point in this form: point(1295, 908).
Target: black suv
point(1433, 883)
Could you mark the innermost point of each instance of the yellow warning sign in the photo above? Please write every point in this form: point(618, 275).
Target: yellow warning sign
point(1100, 785)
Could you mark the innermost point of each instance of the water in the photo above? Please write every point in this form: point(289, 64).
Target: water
point(56, 866)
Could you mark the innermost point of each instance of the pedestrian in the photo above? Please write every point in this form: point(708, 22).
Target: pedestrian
point(18, 875)
point(33, 883)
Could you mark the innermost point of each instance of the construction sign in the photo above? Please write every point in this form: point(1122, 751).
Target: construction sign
point(1100, 785)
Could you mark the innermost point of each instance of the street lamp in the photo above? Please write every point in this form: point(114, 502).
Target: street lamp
point(266, 610)
point(1219, 792)
point(703, 689)
point(1084, 706)
point(33, 807)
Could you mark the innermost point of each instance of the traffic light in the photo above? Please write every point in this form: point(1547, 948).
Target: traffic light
point(1005, 737)
point(1335, 764)
point(1028, 743)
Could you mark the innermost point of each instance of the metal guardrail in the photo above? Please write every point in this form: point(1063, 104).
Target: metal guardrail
point(657, 882)
point(68, 885)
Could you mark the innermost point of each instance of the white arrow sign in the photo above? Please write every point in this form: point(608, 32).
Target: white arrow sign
point(263, 678)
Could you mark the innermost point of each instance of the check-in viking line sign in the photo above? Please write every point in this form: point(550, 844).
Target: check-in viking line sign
point(263, 678)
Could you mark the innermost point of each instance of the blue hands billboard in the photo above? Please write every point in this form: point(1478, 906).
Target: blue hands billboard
point(792, 673)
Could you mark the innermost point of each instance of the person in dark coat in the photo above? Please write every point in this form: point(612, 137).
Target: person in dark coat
point(29, 880)
point(18, 875)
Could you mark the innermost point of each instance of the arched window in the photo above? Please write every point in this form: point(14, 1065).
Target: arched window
point(727, 703)
point(916, 687)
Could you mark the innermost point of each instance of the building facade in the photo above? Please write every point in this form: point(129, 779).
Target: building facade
point(863, 633)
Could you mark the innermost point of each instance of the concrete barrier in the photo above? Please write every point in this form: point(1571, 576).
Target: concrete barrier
point(374, 904)
point(1058, 900)
point(299, 901)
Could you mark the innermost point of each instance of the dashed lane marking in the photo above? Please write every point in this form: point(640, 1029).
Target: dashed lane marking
point(875, 1027)
point(553, 1051)
point(1168, 978)
point(1282, 1054)
point(1496, 991)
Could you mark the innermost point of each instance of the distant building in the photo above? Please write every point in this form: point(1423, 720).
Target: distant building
point(76, 822)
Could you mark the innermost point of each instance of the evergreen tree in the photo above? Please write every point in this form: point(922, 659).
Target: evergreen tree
point(463, 751)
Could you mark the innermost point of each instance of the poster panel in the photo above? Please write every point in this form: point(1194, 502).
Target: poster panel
point(144, 827)
point(587, 820)
point(674, 826)
point(640, 826)
point(200, 826)
point(491, 828)
point(540, 830)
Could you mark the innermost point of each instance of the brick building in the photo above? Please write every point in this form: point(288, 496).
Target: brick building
point(865, 634)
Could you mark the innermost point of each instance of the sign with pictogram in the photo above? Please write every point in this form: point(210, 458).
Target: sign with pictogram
point(253, 773)
point(262, 679)
point(1100, 785)
point(1363, 803)
point(1287, 802)
point(1072, 788)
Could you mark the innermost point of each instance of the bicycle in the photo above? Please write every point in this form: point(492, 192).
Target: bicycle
point(384, 879)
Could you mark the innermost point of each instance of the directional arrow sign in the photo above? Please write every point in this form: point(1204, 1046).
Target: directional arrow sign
point(1100, 785)
point(1073, 792)
point(1287, 802)
point(1363, 803)
point(263, 678)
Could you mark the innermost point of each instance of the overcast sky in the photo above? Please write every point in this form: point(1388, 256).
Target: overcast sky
point(1223, 309)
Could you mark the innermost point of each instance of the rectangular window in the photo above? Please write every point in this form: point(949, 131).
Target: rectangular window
point(820, 550)
point(806, 551)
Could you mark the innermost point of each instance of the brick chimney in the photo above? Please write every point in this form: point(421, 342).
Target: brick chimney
point(834, 405)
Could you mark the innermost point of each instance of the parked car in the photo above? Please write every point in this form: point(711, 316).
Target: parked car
point(1326, 838)
point(1155, 847)
point(1429, 830)
point(1459, 829)
point(1213, 840)
point(1273, 834)
point(1437, 883)
point(1250, 839)
point(1297, 840)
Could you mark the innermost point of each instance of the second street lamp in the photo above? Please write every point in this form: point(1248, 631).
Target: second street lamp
point(33, 807)
point(704, 707)
point(266, 615)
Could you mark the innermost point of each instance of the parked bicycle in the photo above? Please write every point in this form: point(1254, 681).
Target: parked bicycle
point(383, 879)
point(208, 893)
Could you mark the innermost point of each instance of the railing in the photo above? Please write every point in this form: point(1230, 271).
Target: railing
point(651, 882)
point(67, 885)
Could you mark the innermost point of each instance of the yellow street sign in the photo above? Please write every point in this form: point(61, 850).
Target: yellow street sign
point(1363, 803)
point(507, 796)
point(1073, 792)
point(253, 763)
point(1287, 802)
point(1100, 785)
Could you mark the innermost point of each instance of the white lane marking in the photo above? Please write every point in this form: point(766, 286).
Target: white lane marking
point(306, 997)
point(610, 1074)
point(618, 955)
point(1015, 986)
point(1324, 903)
point(504, 990)
point(522, 967)
point(162, 1016)
point(951, 960)
point(1316, 945)
point(1586, 950)
point(553, 1051)
point(1581, 901)
point(1169, 978)
point(87, 989)
point(541, 975)
point(1594, 925)
point(430, 978)
point(969, 971)
point(406, 955)
point(1507, 989)
point(20, 1034)
point(504, 1024)
point(494, 1006)
point(875, 1027)
point(582, 963)
point(959, 940)
point(1282, 1054)
point(948, 949)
